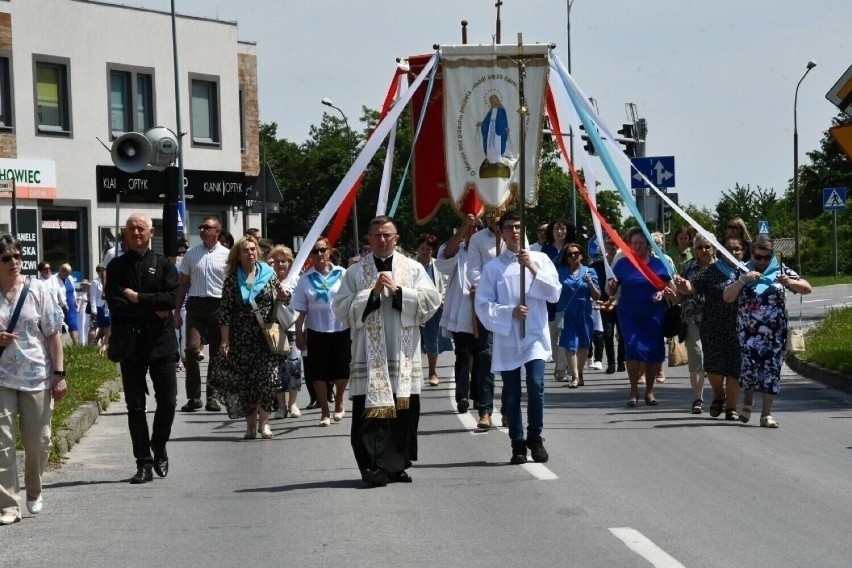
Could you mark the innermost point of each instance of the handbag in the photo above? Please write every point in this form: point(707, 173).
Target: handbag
point(673, 321)
point(123, 338)
point(285, 315)
point(796, 337)
point(15, 314)
point(275, 336)
point(677, 353)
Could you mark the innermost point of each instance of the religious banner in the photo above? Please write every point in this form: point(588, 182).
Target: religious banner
point(482, 124)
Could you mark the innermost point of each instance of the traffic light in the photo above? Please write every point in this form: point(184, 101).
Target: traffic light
point(628, 138)
point(588, 146)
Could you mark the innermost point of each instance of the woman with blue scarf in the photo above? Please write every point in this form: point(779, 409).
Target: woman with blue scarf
point(762, 323)
point(717, 327)
point(247, 378)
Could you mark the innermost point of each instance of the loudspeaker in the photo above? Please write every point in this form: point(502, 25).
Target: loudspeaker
point(164, 145)
point(131, 152)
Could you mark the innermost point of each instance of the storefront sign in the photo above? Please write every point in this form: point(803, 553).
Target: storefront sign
point(203, 187)
point(34, 179)
point(28, 237)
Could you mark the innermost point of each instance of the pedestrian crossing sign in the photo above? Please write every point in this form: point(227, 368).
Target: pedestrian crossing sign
point(833, 198)
point(763, 227)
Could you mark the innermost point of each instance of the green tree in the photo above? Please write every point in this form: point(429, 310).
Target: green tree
point(750, 205)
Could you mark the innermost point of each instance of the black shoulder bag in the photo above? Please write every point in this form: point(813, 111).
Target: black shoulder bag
point(17, 312)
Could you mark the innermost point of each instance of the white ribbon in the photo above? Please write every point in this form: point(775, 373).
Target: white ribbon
point(387, 171)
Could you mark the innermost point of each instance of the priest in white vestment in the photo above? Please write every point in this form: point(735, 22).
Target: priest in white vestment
point(521, 333)
point(384, 299)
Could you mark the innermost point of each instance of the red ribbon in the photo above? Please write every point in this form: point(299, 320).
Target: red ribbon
point(639, 264)
point(342, 216)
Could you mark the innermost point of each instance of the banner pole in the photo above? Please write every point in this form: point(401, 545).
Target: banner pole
point(522, 112)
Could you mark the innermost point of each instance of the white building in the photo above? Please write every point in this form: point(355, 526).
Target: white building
point(74, 73)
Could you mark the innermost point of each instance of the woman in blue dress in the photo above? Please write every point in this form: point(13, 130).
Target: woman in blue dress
point(558, 233)
point(641, 311)
point(580, 289)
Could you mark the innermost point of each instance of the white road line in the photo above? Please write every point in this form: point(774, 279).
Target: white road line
point(639, 543)
point(537, 470)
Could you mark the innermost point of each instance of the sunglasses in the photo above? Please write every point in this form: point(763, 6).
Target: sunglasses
point(735, 249)
point(734, 227)
point(9, 257)
point(207, 227)
point(574, 253)
point(761, 256)
point(321, 250)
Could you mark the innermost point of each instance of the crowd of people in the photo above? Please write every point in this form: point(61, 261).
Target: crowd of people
point(504, 307)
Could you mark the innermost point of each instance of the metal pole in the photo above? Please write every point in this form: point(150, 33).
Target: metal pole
point(834, 214)
point(180, 181)
point(14, 219)
point(811, 65)
point(570, 3)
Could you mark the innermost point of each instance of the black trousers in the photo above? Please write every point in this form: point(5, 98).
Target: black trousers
point(388, 444)
point(163, 378)
point(467, 366)
point(612, 330)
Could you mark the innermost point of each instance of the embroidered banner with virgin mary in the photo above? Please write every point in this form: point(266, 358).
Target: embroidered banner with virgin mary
point(482, 123)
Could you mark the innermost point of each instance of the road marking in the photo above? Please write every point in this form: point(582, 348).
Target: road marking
point(639, 543)
point(537, 470)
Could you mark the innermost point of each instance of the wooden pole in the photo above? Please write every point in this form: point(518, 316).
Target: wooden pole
point(522, 112)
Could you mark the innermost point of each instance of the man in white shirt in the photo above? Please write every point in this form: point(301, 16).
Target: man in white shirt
point(53, 283)
point(200, 278)
point(521, 334)
point(542, 238)
point(457, 317)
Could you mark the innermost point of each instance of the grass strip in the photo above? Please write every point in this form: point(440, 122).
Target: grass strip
point(828, 280)
point(829, 344)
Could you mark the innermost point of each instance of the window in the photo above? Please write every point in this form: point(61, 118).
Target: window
point(204, 110)
point(52, 94)
point(131, 99)
point(6, 98)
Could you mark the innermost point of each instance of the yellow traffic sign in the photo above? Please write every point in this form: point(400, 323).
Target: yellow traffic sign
point(843, 136)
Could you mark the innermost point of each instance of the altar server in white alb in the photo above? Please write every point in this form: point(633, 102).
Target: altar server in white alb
point(499, 308)
point(384, 299)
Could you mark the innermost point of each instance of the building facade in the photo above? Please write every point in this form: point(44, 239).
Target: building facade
point(77, 74)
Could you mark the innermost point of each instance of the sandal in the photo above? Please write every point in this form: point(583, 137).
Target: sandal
point(697, 406)
point(731, 415)
point(631, 403)
point(745, 414)
point(651, 400)
point(716, 408)
point(768, 422)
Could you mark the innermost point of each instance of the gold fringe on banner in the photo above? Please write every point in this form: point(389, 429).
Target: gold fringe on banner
point(382, 412)
point(403, 403)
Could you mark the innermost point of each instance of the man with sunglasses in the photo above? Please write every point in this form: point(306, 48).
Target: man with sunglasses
point(52, 280)
point(201, 275)
point(520, 330)
point(384, 299)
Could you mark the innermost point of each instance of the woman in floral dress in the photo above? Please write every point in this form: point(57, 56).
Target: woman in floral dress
point(248, 376)
point(762, 323)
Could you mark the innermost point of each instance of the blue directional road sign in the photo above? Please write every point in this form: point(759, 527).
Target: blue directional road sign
point(833, 198)
point(659, 169)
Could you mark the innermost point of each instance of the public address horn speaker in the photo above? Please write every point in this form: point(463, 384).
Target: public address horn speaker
point(131, 152)
point(164, 146)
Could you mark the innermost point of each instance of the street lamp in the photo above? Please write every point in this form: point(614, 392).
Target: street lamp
point(811, 65)
point(329, 103)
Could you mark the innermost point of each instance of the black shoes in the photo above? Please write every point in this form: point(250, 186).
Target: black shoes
point(144, 474)
point(462, 405)
point(399, 477)
point(375, 477)
point(161, 462)
point(191, 406)
point(312, 404)
point(621, 367)
point(331, 397)
point(519, 453)
point(536, 446)
point(610, 370)
point(212, 405)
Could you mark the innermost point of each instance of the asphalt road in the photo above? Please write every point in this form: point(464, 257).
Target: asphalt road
point(623, 488)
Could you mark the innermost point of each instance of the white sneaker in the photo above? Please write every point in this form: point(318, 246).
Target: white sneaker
point(35, 507)
point(279, 414)
point(294, 411)
point(597, 365)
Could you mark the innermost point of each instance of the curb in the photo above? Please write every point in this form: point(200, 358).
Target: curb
point(828, 377)
point(80, 421)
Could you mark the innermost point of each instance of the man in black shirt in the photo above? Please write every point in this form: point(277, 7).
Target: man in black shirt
point(141, 289)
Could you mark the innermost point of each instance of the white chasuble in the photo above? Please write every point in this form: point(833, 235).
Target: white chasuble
point(386, 345)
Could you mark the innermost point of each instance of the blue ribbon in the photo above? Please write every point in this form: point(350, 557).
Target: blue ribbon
point(768, 276)
point(262, 275)
point(323, 284)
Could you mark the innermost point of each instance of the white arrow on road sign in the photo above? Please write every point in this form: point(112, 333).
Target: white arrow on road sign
point(662, 173)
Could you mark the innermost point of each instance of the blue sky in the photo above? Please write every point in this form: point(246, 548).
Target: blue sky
point(715, 80)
